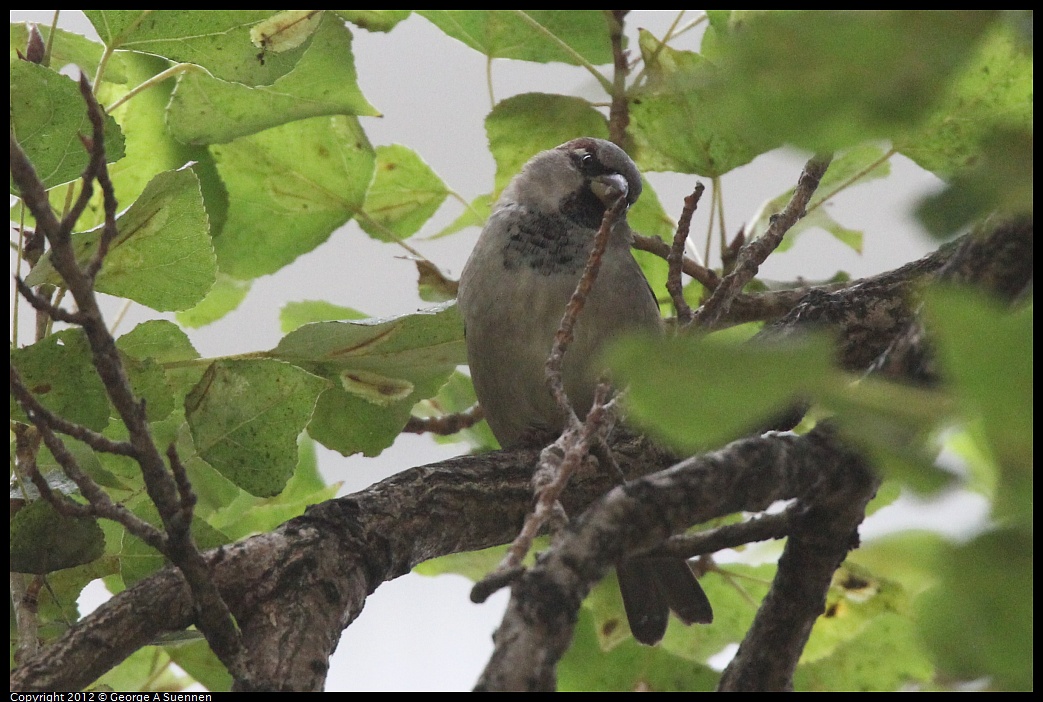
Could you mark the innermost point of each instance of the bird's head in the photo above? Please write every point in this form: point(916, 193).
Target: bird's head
point(579, 179)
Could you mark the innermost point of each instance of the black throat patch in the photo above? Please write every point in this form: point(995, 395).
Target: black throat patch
point(547, 243)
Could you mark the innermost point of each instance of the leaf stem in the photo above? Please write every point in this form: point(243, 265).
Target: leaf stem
point(851, 181)
point(155, 80)
point(606, 84)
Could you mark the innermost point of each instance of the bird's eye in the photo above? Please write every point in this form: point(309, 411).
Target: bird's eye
point(586, 161)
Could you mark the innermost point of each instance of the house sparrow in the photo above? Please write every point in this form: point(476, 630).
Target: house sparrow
point(513, 292)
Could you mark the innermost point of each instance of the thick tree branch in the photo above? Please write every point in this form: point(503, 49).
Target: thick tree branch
point(295, 589)
point(633, 519)
point(822, 535)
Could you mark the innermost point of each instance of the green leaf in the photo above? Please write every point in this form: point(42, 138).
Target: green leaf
point(245, 417)
point(146, 349)
point(628, 667)
point(289, 187)
point(139, 560)
point(224, 297)
point(999, 181)
point(671, 126)
point(523, 125)
point(162, 257)
point(48, 117)
point(88, 462)
point(379, 369)
point(159, 340)
point(909, 558)
point(148, 668)
point(993, 91)
point(978, 620)
point(861, 75)
point(207, 110)
point(149, 384)
point(350, 423)
point(431, 338)
point(374, 20)
point(162, 342)
point(58, 371)
point(458, 395)
point(198, 660)
point(896, 425)
point(548, 35)
point(702, 394)
point(218, 40)
point(57, 601)
point(856, 598)
point(247, 515)
point(473, 565)
point(297, 314)
point(648, 217)
point(69, 48)
point(474, 215)
point(404, 194)
point(886, 656)
point(855, 166)
point(43, 541)
point(987, 354)
point(150, 147)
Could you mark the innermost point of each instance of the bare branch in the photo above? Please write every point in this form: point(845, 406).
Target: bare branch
point(563, 337)
point(634, 519)
point(754, 253)
point(446, 424)
point(98, 502)
point(33, 408)
point(689, 267)
point(822, 536)
point(619, 110)
point(44, 305)
point(762, 528)
point(170, 493)
point(676, 257)
point(558, 463)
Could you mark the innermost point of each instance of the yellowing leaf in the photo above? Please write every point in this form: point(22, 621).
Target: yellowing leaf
point(286, 30)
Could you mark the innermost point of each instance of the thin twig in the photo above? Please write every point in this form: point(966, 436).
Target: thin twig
point(757, 251)
point(561, 459)
point(760, 528)
point(619, 111)
point(564, 47)
point(98, 502)
point(169, 492)
point(564, 335)
point(32, 406)
point(42, 304)
point(558, 463)
point(676, 257)
point(690, 267)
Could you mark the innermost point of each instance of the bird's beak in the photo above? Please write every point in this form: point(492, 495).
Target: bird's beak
point(608, 188)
